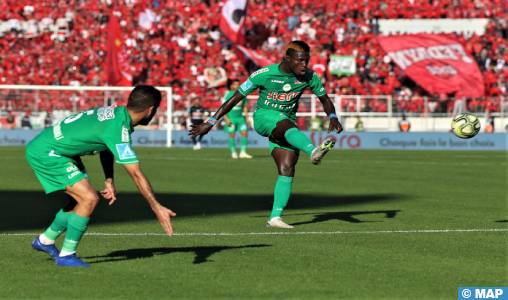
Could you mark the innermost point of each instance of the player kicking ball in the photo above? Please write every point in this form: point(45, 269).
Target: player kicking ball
point(280, 88)
point(54, 156)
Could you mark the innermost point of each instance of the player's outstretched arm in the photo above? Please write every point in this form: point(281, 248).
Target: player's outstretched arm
point(205, 127)
point(330, 111)
point(162, 213)
point(109, 191)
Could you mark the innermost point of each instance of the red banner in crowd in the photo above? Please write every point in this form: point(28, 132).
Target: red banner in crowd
point(438, 63)
point(232, 19)
point(116, 64)
point(258, 59)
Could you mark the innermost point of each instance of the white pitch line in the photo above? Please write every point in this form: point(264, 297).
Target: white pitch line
point(332, 161)
point(184, 234)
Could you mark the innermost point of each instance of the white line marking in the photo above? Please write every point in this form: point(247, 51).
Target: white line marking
point(334, 161)
point(278, 232)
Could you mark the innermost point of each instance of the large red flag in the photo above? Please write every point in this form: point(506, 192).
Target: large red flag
point(258, 59)
point(438, 63)
point(232, 19)
point(116, 63)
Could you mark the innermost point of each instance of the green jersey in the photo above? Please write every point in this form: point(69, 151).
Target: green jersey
point(280, 91)
point(89, 132)
point(237, 111)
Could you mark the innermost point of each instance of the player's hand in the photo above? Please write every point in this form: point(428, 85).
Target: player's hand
point(164, 215)
point(335, 125)
point(200, 129)
point(109, 191)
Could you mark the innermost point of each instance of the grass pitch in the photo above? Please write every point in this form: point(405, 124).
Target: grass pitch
point(370, 224)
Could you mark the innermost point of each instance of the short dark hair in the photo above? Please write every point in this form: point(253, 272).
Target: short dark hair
point(144, 96)
point(231, 81)
point(297, 46)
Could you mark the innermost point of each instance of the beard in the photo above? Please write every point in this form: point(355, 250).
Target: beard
point(146, 120)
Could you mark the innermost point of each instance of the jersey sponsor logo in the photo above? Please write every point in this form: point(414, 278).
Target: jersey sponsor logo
point(125, 151)
point(263, 70)
point(277, 81)
point(73, 174)
point(246, 85)
point(105, 113)
point(281, 96)
point(125, 135)
point(286, 87)
point(280, 106)
point(71, 168)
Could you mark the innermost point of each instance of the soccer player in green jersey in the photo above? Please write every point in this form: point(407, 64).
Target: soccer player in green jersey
point(280, 87)
point(54, 156)
point(236, 122)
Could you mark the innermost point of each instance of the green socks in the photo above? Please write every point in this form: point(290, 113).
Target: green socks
point(243, 144)
point(281, 195)
point(76, 227)
point(232, 144)
point(58, 226)
point(299, 140)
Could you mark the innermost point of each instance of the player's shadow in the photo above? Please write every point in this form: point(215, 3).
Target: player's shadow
point(502, 221)
point(202, 254)
point(348, 216)
point(32, 210)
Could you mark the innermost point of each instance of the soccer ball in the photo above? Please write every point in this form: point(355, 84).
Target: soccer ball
point(465, 125)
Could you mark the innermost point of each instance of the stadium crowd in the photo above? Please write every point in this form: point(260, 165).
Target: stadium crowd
point(177, 43)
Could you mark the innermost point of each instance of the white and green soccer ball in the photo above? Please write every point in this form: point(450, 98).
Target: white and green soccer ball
point(465, 125)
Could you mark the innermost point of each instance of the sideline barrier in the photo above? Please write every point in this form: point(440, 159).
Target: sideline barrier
point(345, 140)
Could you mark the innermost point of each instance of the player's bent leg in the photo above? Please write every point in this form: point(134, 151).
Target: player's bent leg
point(286, 130)
point(85, 195)
point(286, 162)
point(232, 145)
point(243, 144)
point(45, 242)
point(87, 199)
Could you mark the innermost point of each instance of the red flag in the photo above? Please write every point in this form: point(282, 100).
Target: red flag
point(116, 64)
point(253, 55)
point(232, 19)
point(438, 63)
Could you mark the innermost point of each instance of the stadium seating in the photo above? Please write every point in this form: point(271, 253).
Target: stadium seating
point(183, 39)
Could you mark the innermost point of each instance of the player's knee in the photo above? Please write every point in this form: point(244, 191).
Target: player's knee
point(281, 129)
point(286, 170)
point(90, 201)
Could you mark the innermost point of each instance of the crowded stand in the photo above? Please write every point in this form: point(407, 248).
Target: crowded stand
point(179, 44)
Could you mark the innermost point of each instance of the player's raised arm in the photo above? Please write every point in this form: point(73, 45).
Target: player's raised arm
point(330, 111)
point(162, 213)
point(205, 127)
point(107, 161)
point(319, 90)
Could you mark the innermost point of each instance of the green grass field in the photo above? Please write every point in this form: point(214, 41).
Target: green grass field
point(370, 225)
